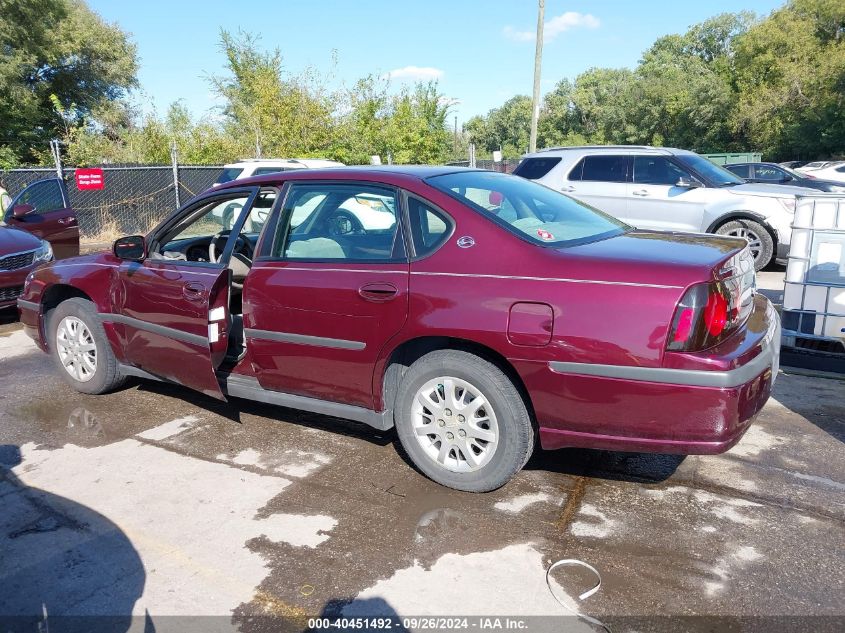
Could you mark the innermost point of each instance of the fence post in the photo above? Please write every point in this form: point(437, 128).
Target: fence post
point(54, 148)
point(175, 160)
point(472, 155)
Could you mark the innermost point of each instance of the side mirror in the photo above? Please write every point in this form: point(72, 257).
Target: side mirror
point(688, 183)
point(132, 248)
point(20, 210)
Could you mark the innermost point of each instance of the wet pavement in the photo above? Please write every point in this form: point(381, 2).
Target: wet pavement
point(155, 501)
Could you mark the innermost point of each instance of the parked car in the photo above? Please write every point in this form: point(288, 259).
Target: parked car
point(775, 174)
point(20, 253)
point(263, 166)
point(43, 208)
point(794, 164)
point(834, 171)
point(816, 165)
point(670, 189)
point(492, 313)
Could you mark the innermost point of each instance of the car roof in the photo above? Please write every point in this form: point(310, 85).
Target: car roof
point(378, 173)
point(665, 151)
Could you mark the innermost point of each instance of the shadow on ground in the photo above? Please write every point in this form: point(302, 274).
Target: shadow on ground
point(62, 565)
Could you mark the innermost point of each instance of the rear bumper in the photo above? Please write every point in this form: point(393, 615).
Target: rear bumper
point(648, 409)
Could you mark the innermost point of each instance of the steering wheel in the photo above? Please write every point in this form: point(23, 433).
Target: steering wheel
point(343, 223)
point(242, 255)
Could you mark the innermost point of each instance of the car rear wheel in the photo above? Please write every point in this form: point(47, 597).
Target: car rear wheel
point(760, 241)
point(462, 421)
point(80, 348)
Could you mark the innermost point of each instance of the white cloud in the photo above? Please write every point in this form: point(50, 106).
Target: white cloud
point(554, 27)
point(414, 73)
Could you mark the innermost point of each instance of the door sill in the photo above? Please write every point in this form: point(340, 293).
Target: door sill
point(249, 388)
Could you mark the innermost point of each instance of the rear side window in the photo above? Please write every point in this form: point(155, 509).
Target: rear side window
point(45, 196)
point(743, 171)
point(429, 227)
point(348, 222)
point(534, 168)
point(601, 169)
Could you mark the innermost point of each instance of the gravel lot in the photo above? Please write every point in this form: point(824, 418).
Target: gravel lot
point(155, 502)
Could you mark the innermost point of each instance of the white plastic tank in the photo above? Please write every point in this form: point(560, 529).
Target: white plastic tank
point(814, 295)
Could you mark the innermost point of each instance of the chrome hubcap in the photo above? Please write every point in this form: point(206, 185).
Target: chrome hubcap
point(755, 245)
point(76, 348)
point(455, 424)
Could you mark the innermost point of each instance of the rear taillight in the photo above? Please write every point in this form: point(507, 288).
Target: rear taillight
point(709, 312)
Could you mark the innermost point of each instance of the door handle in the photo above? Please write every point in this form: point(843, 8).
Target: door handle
point(568, 189)
point(68, 220)
point(378, 292)
point(641, 192)
point(194, 291)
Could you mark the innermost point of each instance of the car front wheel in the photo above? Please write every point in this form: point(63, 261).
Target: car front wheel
point(760, 242)
point(462, 421)
point(80, 348)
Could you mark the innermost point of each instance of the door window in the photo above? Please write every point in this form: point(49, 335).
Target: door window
point(429, 227)
point(45, 196)
point(338, 222)
point(191, 239)
point(773, 174)
point(657, 170)
point(743, 171)
point(601, 168)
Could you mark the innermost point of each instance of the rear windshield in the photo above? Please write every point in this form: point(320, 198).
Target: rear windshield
point(533, 168)
point(229, 174)
point(527, 209)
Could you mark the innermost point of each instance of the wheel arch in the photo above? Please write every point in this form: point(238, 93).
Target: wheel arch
point(59, 292)
point(394, 364)
point(746, 215)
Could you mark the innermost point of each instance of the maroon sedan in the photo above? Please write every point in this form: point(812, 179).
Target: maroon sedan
point(474, 311)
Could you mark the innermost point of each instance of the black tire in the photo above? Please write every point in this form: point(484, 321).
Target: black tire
point(106, 376)
point(743, 227)
point(515, 431)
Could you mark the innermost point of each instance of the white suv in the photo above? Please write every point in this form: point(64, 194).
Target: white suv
point(670, 190)
point(261, 166)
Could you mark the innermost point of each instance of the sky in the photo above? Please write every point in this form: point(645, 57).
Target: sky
point(480, 51)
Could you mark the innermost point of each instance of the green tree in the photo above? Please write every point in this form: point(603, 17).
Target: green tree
point(790, 76)
point(507, 128)
point(56, 51)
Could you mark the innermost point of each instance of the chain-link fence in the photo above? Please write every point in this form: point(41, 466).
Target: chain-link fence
point(506, 165)
point(133, 199)
point(136, 198)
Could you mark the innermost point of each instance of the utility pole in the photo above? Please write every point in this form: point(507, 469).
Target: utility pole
point(538, 62)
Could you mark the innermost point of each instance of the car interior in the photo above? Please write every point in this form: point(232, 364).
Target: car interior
point(319, 223)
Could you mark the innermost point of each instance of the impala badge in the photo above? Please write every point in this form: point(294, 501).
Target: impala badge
point(466, 241)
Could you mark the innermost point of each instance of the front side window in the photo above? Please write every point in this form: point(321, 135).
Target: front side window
point(44, 196)
point(601, 168)
point(657, 170)
point(527, 209)
point(713, 174)
point(338, 222)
